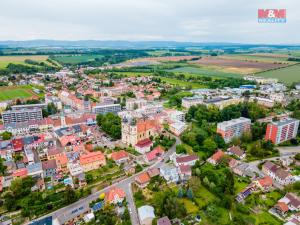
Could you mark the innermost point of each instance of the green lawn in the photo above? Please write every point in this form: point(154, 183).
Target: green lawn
point(182, 83)
point(240, 184)
point(287, 75)
point(203, 197)
point(14, 92)
point(75, 59)
point(191, 207)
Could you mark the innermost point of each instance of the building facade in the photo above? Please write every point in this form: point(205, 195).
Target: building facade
point(233, 128)
point(281, 131)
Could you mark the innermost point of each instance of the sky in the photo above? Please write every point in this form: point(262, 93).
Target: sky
point(148, 20)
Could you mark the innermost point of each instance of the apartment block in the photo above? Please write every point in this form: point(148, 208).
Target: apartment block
point(103, 109)
point(19, 115)
point(233, 128)
point(281, 131)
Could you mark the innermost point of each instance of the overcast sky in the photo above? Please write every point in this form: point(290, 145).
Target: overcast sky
point(136, 20)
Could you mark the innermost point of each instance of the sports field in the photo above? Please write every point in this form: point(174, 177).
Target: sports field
point(18, 59)
point(15, 92)
point(287, 75)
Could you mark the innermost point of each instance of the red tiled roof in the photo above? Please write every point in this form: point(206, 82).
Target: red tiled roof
point(266, 181)
point(20, 172)
point(144, 143)
point(187, 158)
point(218, 155)
point(145, 125)
point(143, 178)
point(156, 152)
point(282, 206)
point(153, 172)
point(91, 157)
point(62, 159)
point(185, 169)
point(119, 155)
point(17, 144)
point(114, 192)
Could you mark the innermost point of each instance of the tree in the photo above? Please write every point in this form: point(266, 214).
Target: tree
point(180, 149)
point(297, 156)
point(209, 145)
point(190, 193)
point(70, 195)
point(110, 124)
point(2, 167)
point(180, 193)
point(6, 135)
point(89, 178)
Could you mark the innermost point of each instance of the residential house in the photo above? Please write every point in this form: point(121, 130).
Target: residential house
point(164, 221)
point(155, 154)
point(169, 173)
point(144, 146)
point(142, 180)
point(280, 175)
point(187, 160)
point(185, 172)
point(236, 151)
point(281, 209)
point(92, 161)
point(115, 196)
point(153, 172)
point(62, 162)
point(49, 168)
point(216, 158)
point(146, 214)
point(120, 157)
point(292, 201)
point(264, 184)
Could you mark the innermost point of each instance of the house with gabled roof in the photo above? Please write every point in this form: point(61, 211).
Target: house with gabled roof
point(120, 157)
point(215, 159)
point(142, 180)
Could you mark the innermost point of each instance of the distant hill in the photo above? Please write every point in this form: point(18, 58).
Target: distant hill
point(128, 44)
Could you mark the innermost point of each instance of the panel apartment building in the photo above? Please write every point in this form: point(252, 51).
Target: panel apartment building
point(281, 131)
point(23, 113)
point(233, 128)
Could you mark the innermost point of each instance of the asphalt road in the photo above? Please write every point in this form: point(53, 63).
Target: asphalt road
point(65, 215)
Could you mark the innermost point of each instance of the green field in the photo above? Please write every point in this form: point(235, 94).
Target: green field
point(5, 60)
point(287, 75)
point(15, 92)
point(258, 58)
point(182, 83)
point(75, 59)
point(205, 72)
point(168, 80)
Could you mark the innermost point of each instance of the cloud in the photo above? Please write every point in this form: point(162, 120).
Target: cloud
point(192, 20)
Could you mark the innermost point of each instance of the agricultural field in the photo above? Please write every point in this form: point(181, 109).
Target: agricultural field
point(236, 65)
point(260, 57)
point(76, 59)
point(15, 92)
point(205, 72)
point(5, 60)
point(287, 75)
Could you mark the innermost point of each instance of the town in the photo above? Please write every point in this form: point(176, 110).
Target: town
point(95, 145)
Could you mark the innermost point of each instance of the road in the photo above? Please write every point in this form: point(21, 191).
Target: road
point(284, 152)
point(71, 211)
